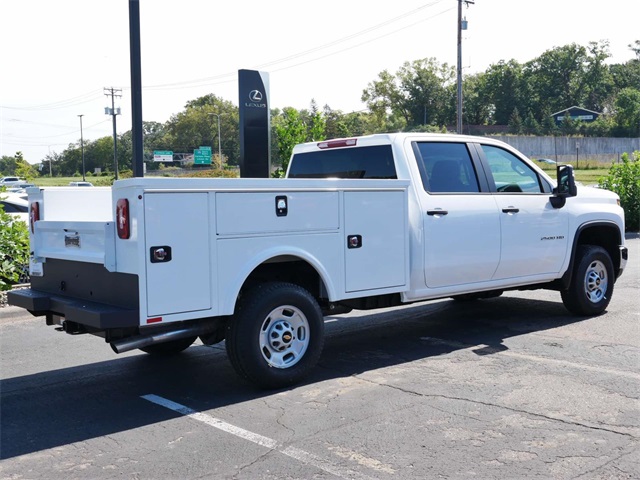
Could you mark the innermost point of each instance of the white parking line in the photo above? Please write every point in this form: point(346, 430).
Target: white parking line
point(292, 452)
point(533, 358)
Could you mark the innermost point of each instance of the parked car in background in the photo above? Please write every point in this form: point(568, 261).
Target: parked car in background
point(15, 204)
point(548, 161)
point(80, 184)
point(20, 188)
point(10, 181)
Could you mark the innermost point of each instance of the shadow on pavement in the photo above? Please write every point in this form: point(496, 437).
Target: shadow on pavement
point(59, 407)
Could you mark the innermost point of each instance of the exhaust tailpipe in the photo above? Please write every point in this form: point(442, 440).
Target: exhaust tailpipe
point(141, 341)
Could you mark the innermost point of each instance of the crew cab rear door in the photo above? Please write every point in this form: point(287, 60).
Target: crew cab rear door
point(461, 219)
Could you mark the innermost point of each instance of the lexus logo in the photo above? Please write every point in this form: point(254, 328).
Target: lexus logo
point(255, 96)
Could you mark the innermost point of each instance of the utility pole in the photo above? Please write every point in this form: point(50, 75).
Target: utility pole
point(114, 92)
point(82, 146)
point(460, 28)
point(219, 139)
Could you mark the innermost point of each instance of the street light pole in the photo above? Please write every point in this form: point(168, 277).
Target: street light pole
point(219, 140)
point(459, 69)
point(82, 147)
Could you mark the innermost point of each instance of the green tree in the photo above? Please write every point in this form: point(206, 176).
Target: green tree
point(196, 125)
point(477, 108)
point(557, 78)
point(627, 112)
point(548, 125)
point(515, 122)
point(7, 166)
point(504, 89)
point(603, 126)
point(317, 128)
point(17, 166)
point(530, 126)
point(624, 179)
point(290, 130)
point(598, 81)
point(627, 75)
point(422, 88)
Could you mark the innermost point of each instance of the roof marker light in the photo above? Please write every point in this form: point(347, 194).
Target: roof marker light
point(349, 142)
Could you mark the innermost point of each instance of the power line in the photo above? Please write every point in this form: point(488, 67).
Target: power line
point(231, 76)
point(75, 130)
point(69, 102)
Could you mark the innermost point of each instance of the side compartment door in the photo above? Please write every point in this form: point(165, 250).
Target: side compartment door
point(376, 241)
point(534, 234)
point(461, 222)
point(178, 252)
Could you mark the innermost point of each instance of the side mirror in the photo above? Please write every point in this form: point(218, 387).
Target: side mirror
point(566, 186)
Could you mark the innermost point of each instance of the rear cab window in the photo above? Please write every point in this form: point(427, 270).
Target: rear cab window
point(371, 162)
point(446, 167)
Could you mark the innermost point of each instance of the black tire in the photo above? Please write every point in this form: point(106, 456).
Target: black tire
point(592, 281)
point(169, 348)
point(276, 335)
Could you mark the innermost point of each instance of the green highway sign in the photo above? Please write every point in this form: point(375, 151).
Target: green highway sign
point(162, 156)
point(202, 156)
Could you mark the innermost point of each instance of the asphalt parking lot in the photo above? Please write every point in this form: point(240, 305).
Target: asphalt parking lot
point(511, 388)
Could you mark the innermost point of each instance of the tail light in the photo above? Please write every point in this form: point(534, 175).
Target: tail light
point(34, 215)
point(122, 218)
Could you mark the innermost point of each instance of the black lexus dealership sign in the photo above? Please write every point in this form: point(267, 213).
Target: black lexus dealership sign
point(255, 124)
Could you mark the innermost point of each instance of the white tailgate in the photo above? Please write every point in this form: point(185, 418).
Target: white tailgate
point(92, 242)
point(179, 221)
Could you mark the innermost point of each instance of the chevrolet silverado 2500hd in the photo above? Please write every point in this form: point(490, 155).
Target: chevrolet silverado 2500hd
point(359, 223)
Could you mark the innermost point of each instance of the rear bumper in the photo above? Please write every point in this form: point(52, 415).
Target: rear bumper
point(91, 314)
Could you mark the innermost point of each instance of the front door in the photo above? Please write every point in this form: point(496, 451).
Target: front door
point(534, 234)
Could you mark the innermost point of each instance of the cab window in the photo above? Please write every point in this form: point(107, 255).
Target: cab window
point(362, 162)
point(446, 167)
point(510, 173)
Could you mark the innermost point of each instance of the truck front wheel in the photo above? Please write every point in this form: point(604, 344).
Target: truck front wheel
point(276, 335)
point(592, 282)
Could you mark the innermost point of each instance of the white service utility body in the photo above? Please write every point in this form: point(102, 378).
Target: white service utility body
point(367, 222)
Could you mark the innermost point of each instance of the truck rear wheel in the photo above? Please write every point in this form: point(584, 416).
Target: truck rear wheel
point(591, 283)
point(276, 336)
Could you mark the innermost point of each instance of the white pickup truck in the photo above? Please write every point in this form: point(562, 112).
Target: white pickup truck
point(359, 223)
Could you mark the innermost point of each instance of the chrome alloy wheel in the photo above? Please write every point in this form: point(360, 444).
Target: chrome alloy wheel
point(596, 281)
point(284, 336)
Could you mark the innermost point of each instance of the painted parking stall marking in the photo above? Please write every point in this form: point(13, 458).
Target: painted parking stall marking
point(292, 452)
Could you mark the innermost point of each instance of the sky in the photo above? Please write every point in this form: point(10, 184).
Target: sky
point(58, 56)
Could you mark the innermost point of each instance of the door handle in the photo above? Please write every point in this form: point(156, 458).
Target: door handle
point(437, 212)
point(510, 210)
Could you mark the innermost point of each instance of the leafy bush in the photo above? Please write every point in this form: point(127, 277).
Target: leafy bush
point(14, 251)
point(624, 179)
